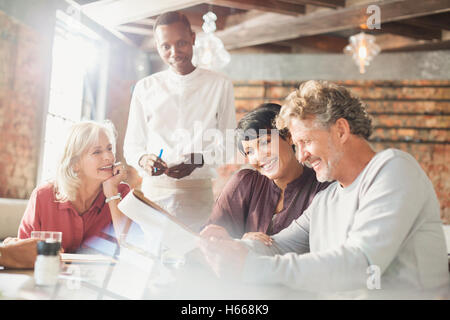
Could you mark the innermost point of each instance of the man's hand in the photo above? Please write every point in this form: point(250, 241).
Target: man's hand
point(225, 257)
point(215, 231)
point(153, 164)
point(192, 161)
point(20, 254)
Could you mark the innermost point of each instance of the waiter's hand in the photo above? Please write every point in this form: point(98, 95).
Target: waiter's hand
point(193, 161)
point(153, 164)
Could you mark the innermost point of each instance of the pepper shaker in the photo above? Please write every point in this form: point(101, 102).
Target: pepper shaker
point(47, 265)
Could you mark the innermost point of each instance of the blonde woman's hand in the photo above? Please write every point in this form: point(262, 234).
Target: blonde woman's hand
point(134, 180)
point(111, 185)
point(264, 238)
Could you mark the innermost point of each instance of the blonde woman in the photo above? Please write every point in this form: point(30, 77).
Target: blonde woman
point(83, 198)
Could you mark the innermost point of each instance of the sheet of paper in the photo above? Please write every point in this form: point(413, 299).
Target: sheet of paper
point(158, 225)
point(447, 236)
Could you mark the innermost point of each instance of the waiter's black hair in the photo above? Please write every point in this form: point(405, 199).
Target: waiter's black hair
point(257, 120)
point(172, 17)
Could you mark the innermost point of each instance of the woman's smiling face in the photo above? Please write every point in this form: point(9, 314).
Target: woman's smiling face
point(97, 162)
point(269, 154)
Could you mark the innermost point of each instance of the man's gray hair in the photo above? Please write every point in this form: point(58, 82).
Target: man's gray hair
point(327, 102)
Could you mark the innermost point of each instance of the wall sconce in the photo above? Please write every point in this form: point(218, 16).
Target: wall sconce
point(209, 51)
point(363, 49)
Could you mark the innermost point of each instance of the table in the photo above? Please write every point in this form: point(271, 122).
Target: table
point(137, 276)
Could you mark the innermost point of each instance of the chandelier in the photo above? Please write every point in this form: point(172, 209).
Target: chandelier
point(209, 51)
point(363, 49)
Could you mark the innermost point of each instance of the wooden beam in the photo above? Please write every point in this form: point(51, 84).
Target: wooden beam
point(220, 11)
point(391, 41)
point(113, 13)
point(320, 3)
point(409, 31)
point(237, 19)
point(196, 19)
point(264, 48)
point(271, 27)
point(436, 21)
point(322, 43)
point(135, 30)
point(146, 22)
point(263, 5)
point(442, 45)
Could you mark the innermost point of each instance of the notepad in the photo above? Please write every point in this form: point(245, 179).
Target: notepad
point(158, 223)
point(86, 258)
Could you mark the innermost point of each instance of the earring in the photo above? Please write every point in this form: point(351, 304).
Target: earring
point(74, 173)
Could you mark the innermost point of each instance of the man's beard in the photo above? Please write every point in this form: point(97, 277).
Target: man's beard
point(326, 174)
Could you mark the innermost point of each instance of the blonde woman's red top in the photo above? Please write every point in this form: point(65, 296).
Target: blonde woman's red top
point(44, 213)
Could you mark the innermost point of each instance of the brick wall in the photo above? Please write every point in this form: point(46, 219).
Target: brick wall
point(413, 116)
point(22, 70)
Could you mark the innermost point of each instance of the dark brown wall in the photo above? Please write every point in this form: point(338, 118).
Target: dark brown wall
point(22, 87)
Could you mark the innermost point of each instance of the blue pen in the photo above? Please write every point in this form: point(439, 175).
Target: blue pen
point(160, 154)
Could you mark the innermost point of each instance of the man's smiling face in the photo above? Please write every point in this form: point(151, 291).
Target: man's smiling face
point(316, 148)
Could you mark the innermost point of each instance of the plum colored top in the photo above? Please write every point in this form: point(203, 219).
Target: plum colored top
point(44, 213)
point(249, 200)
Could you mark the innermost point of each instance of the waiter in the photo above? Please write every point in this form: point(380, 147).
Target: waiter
point(177, 123)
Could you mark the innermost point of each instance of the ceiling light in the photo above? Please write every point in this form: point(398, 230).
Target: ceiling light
point(209, 51)
point(363, 49)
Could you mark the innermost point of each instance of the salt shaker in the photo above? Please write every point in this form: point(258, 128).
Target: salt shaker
point(46, 267)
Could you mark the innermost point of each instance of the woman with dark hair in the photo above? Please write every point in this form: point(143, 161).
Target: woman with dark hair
point(258, 203)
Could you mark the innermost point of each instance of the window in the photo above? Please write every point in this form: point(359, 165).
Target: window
point(77, 86)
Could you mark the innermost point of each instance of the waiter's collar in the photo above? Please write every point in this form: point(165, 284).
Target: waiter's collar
point(182, 77)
